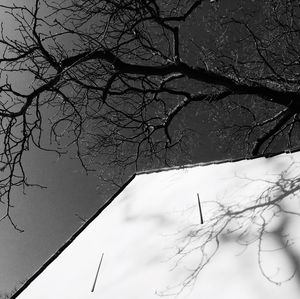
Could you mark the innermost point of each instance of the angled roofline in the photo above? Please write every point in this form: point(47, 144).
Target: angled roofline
point(110, 200)
point(229, 160)
point(69, 241)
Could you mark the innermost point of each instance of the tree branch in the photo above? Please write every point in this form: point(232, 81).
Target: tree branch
point(260, 141)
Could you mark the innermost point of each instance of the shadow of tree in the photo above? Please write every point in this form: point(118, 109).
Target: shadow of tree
point(271, 214)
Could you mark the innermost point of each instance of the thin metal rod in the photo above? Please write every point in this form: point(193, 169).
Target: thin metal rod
point(200, 210)
point(93, 288)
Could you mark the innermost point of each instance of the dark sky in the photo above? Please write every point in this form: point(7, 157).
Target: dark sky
point(47, 216)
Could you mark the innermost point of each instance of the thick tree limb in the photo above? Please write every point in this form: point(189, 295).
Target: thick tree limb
point(281, 97)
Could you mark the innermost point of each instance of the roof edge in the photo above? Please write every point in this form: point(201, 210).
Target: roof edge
point(268, 155)
point(71, 239)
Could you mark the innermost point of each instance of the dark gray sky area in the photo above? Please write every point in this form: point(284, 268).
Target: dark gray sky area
point(48, 216)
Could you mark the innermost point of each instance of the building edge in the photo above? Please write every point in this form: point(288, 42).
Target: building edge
point(71, 239)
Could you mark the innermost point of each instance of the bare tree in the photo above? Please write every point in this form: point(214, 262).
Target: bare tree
point(115, 77)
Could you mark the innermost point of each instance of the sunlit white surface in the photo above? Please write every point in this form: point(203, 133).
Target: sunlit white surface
point(151, 234)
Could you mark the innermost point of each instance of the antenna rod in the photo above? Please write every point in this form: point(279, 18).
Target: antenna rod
point(93, 288)
point(200, 211)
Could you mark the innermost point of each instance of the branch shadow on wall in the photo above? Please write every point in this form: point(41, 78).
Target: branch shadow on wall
point(268, 221)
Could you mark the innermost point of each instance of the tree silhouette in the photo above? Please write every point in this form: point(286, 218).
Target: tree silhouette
point(115, 77)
